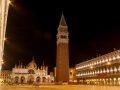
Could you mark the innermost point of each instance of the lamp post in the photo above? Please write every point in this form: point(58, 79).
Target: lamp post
point(91, 67)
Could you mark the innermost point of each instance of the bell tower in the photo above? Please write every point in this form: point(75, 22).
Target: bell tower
point(62, 57)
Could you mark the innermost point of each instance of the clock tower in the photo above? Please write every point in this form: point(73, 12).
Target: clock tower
point(62, 57)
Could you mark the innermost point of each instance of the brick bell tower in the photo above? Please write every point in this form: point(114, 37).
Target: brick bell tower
point(62, 58)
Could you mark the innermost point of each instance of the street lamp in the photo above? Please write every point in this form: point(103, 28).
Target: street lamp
point(91, 67)
point(5, 39)
point(2, 62)
point(108, 63)
point(9, 2)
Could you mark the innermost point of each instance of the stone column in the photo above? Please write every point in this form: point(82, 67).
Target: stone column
point(19, 79)
point(35, 79)
point(112, 81)
point(116, 81)
point(25, 80)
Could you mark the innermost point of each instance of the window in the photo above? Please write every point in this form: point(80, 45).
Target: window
point(70, 73)
point(31, 71)
point(63, 36)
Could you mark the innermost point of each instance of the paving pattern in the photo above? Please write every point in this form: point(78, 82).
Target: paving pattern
point(60, 87)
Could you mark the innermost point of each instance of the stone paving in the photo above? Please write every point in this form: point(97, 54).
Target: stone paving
point(60, 87)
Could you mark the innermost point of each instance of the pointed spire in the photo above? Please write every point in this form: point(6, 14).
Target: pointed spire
point(43, 63)
point(33, 59)
point(15, 65)
point(41, 67)
point(62, 21)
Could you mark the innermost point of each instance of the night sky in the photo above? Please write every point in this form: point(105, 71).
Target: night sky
point(94, 28)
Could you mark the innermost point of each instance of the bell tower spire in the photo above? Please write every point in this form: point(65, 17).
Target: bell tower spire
point(62, 35)
point(62, 21)
point(62, 58)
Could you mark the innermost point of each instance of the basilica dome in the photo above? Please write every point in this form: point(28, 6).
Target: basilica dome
point(32, 64)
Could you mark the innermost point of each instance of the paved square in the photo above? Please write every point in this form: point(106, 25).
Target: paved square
point(61, 87)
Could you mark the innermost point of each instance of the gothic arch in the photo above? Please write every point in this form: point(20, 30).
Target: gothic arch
point(44, 79)
point(30, 79)
point(22, 79)
point(38, 79)
point(111, 70)
point(115, 69)
point(16, 79)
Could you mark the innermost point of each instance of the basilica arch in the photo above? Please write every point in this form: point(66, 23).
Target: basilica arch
point(30, 79)
point(43, 79)
point(38, 79)
point(16, 79)
point(22, 79)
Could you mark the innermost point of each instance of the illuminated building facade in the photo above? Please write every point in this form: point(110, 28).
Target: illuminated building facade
point(4, 4)
point(102, 70)
point(5, 76)
point(72, 75)
point(31, 73)
point(62, 57)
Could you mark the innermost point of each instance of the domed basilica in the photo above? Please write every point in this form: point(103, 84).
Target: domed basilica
point(31, 73)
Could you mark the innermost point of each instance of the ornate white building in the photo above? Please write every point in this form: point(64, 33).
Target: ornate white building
point(31, 73)
point(102, 70)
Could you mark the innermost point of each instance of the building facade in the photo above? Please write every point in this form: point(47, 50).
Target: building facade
point(62, 57)
point(72, 75)
point(5, 76)
point(102, 70)
point(4, 5)
point(31, 73)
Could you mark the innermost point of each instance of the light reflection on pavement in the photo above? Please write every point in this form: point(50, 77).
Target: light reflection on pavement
point(61, 87)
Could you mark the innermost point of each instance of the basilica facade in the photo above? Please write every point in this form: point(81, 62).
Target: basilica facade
point(31, 73)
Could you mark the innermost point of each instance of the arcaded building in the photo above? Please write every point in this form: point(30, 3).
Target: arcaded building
point(62, 57)
point(102, 70)
point(31, 73)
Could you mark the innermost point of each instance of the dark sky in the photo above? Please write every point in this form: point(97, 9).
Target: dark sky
point(94, 28)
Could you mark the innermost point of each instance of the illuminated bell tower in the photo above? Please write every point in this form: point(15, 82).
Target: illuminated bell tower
point(62, 58)
point(4, 4)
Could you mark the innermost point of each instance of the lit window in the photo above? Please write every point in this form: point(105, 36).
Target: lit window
point(70, 73)
point(106, 60)
point(107, 70)
point(115, 69)
point(104, 71)
point(101, 71)
point(95, 63)
point(98, 72)
point(113, 57)
point(118, 56)
point(111, 70)
point(119, 68)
